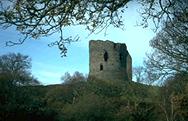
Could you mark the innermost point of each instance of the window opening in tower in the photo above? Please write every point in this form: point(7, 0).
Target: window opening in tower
point(101, 67)
point(105, 56)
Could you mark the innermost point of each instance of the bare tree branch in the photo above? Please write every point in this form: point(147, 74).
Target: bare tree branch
point(38, 18)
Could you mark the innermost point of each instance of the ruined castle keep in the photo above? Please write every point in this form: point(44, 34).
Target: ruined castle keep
point(109, 61)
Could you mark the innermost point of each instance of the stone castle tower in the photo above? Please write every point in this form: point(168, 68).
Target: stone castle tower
point(109, 61)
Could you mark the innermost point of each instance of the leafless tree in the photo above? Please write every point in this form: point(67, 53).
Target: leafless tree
point(38, 18)
point(164, 11)
point(170, 55)
point(67, 78)
point(15, 68)
point(139, 73)
point(41, 18)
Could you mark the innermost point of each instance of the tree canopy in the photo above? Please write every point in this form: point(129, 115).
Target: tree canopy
point(170, 45)
point(41, 18)
point(164, 11)
point(15, 68)
point(170, 55)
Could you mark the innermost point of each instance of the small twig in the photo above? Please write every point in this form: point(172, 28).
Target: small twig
point(61, 44)
point(20, 41)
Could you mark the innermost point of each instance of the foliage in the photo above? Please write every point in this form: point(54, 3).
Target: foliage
point(41, 18)
point(21, 104)
point(17, 101)
point(45, 17)
point(66, 93)
point(163, 11)
point(170, 50)
point(92, 100)
point(105, 88)
point(15, 68)
point(171, 94)
point(169, 54)
point(177, 84)
point(38, 18)
point(143, 112)
point(90, 107)
point(180, 107)
point(97, 100)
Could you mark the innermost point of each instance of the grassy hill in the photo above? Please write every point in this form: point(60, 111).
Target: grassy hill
point(93, 100)
point(96, 99)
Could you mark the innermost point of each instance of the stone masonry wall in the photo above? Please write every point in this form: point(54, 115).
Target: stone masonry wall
point(109, 61)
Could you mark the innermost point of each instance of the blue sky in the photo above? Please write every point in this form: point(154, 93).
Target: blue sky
point(47, 64)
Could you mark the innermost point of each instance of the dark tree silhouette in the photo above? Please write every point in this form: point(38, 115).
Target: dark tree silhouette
point(15, 68)
point(170, 54)
point(164, 11)
point(41, 18)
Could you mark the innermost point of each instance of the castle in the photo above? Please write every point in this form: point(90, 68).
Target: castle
point(109, 61)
